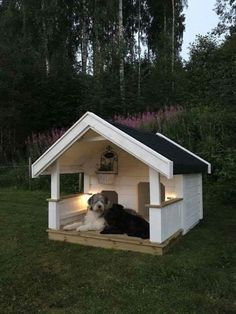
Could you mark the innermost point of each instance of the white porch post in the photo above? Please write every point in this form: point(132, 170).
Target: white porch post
point(86, 183)
point(53, 208)
point(155, 213)
point(55, 181)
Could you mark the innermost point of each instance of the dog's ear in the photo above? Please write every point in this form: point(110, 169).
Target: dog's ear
point(90, 200)
point(107, 202)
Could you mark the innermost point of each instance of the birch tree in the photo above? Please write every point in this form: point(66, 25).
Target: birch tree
point(173, 37)
point(84, 42)
point(121, 53)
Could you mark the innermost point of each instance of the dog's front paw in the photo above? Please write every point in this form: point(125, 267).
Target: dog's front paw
point(72, 226)
point(82, 228)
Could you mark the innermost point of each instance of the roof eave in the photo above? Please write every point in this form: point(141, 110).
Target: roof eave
point(189, 152)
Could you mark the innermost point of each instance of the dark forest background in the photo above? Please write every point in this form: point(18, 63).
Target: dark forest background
point(59, 59)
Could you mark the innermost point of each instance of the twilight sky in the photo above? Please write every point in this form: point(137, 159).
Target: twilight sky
point(199, 19)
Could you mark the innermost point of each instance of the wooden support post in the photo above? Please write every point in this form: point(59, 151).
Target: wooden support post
point(155, 213)
point(53, 215)
point(86, 183)
point(55, 181)
point(53, 206)
point(154, 182)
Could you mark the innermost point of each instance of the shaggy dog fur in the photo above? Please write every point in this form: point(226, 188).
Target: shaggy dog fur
point(120, 221)
point(94, 218)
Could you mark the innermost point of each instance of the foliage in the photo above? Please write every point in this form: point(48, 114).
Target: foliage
point(38, 143)
point(38, 275)
point(207, 131)
point(226, 10)
point(60, 59)
point(17, 176)
point(150, 120)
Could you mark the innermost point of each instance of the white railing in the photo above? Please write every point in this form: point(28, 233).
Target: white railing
point(165, 219)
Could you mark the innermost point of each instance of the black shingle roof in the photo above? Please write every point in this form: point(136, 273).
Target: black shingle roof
point(183, 161)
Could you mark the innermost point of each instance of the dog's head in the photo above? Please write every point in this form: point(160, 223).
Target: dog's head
point(98, 203)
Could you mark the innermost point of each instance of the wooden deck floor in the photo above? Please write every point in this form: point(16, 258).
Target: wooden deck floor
point(114, 241)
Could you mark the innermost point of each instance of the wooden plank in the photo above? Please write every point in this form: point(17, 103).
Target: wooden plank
point(63, 197)
point(104, 243)
point(118, 242)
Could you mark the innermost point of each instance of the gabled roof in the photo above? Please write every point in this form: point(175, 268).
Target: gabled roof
point(156, 151)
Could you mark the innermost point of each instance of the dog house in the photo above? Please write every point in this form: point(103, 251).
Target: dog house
point(146, 172)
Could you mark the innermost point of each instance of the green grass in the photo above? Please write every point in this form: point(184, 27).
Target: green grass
point(42, 276)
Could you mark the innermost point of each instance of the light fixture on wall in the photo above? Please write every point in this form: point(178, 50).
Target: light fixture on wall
point(170, 197)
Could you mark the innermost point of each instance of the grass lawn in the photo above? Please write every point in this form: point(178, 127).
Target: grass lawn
point(42, 276)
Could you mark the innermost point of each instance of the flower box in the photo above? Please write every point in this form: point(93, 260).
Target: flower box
point(106, 177)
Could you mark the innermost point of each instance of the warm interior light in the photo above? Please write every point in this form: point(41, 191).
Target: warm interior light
point(83, 200)
point(170, 197)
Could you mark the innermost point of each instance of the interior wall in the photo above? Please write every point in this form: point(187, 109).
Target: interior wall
point(131, 171)
point(173, 186)
point(84, 156)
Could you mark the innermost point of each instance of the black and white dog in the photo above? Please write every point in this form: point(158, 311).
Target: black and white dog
point(94, 218)
point(120, 220)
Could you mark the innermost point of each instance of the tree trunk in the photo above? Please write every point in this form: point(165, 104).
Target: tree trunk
point(45, 39)
point(173, 38)
point(139, 51)
point(96, 44)
point(121, 50)
point(84, 45)
point(164, 21)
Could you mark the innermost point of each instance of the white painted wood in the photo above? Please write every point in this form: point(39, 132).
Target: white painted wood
point(53, 215)
point(55, 181)
point(86, 183)
point(137, 163)
point(154, 180)
point(58, 148)
point(173, 186)
point(155, 225)
point(71, 205)
point(93, 139)
point(165, 221)
point(155, 214)
point(132, 146)
point(192, 210)
point(186, 150)
point(71, 218)
point(131, 171)
point(170, 219)
point(109, 132)
point(200, 196)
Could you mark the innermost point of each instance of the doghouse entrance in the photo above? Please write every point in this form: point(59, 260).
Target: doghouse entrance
point(144, 198)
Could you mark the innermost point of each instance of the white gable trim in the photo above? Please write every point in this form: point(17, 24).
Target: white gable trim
point(196, 156)
point(59, 147)
point(111, 133)
point(132, 146)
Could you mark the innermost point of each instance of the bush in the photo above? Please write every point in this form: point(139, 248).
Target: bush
point(208, 131)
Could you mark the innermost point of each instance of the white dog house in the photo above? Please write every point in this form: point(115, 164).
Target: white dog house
point(155, 176)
